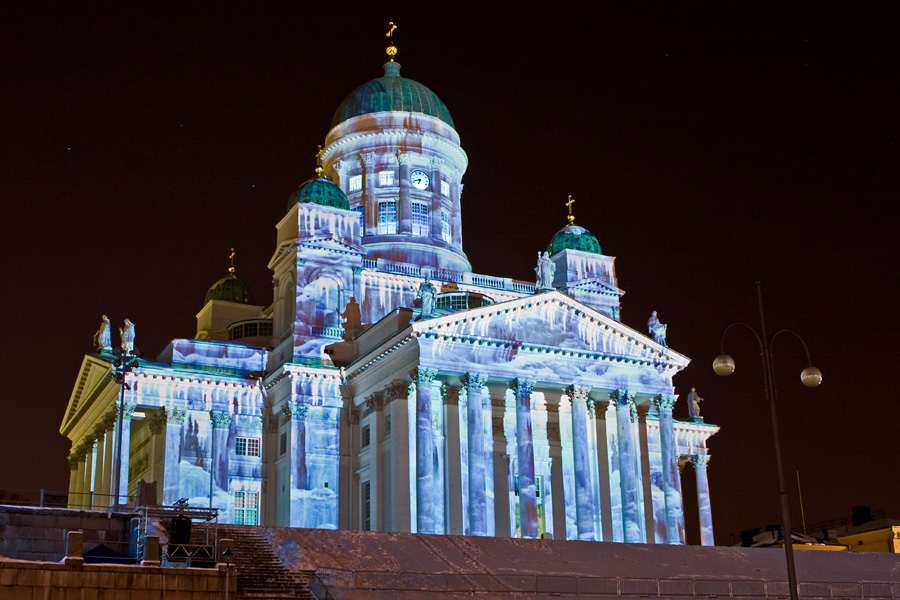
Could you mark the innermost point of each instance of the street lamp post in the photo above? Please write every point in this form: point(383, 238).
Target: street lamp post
point(123, 363)
point(810, 377)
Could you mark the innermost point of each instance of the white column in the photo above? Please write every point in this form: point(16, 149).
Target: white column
point(172, 470)
point(703, 502)
point(453, 466)
point(425, 517)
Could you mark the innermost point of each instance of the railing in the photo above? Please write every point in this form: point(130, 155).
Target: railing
point(56, 499)
point(335, 333)
point(518, 584)
point(817, 528)
point(318, 589)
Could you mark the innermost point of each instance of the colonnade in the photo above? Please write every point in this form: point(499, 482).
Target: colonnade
point(92, 463)
point(597, 471)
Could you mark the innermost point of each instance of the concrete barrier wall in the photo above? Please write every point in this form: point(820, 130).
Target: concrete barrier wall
point(22, 580)
point(32, 533)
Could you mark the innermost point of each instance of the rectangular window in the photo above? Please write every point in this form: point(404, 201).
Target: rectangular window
point(445, 226)
point(247, 446)
point(445, 188)
point(366, 436)
point(246, 508)
point(362, 218)
point(356, 183)
point(420, 219)
point(367, 506)
point(283, 444)
point(387, 217)
point(385, 178)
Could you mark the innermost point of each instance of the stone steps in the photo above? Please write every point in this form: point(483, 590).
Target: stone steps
point(260, 573)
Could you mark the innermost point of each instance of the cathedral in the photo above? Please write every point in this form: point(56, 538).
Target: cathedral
point(388, 387)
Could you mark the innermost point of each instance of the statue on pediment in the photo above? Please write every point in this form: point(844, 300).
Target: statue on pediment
point(352, 318)
point(545, 270)
point(657, 329)
point(103, 337)
point(693, 402)
point(127, 335)
point(426, 294)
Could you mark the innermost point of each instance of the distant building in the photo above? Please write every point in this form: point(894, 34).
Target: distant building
point(387, 386)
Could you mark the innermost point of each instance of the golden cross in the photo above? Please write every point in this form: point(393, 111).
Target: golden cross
point(231, 256)
point(391, 49)
point(569, 204)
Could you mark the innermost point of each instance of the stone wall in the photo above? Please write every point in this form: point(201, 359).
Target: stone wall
point(22, 580)
point(31, 533)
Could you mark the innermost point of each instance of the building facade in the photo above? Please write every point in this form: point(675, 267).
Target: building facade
point(389, 387)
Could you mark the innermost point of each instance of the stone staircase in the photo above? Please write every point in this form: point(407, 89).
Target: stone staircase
point(260, 573)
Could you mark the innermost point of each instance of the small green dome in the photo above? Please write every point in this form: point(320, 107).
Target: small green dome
point(319, 190)
point(391, 93)
point(573, 237)
point(230, 289)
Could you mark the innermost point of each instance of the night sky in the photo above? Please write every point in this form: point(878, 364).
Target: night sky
point(707, 146)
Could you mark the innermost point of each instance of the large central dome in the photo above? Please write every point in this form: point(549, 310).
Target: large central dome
point(391, 93)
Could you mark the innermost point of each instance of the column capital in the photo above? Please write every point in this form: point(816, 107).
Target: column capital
point(396, 390)
point(99, 430)
point(699, 461)
point(664, 402)
point(219, 419)
point(621, 397)
point(423, 375)
point(175, 415)
point(402, 158)
point(451, 394)
point(340, 167)
point(578, 393)
point(367, 160)
point(375, 402)
point(435, 162)
point(295, 410)
point(520, 385)
point(473, 380)
point(156, 423)
point(128, 410)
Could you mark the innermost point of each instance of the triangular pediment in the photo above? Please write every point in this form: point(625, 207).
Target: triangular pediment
point(596, 286)
point(551, 323)
point(330, 243)
point(94, 374)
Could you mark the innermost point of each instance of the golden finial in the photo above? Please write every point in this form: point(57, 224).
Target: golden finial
point(391, 49)
point(231, 257)
point(569, 204)
point(319, 169)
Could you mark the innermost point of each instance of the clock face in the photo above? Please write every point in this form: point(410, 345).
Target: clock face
point(419, 179)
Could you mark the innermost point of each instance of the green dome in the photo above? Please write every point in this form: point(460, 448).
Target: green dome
point(319, 190)
point(391, 92)
point(230, 289)
point(573, 237)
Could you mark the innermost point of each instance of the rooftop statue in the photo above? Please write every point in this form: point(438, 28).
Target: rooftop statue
point(103, 337)
point(657, 329)
point(426, 295)
point(693, 402)
point(545, 270)
point(127, 335)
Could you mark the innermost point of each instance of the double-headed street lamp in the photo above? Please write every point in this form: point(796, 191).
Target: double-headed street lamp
point(810, 376)
point(124, 362)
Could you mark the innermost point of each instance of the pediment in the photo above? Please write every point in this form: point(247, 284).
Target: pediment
point(330, 243)
point(93, 376)
point(596, 286)
point(550, 323)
